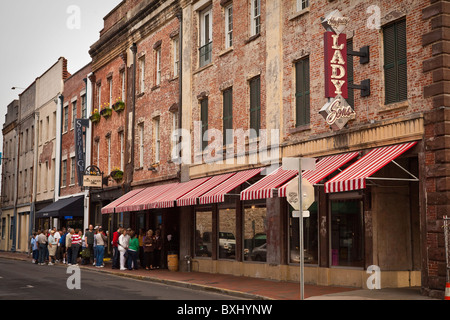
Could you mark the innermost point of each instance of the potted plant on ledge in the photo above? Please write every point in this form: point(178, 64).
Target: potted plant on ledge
point(117, 174)
point(106, 112)
point(119, 105)
point(95, 116)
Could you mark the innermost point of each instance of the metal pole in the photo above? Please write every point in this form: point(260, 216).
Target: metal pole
point(300, 233)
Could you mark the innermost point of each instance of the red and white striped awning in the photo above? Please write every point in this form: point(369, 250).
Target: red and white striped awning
point(264, 187)
point(145, 197)
point(324, 168)
point(167, 200)
point(354, 177)
point(110, 207)
point(218, 193)
point(190, 198)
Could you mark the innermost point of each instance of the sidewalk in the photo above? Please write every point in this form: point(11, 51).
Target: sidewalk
point(251, 288)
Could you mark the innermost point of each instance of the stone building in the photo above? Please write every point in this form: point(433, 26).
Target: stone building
point(9, 169)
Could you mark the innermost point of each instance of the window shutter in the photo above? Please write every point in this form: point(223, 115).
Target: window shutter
point(302, 92)
point(401, 61)
point(351, 93)
point(227, 113)
point(204, 119)
point(255, 105)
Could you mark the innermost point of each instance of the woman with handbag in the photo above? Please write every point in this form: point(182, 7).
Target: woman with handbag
point(149, 248)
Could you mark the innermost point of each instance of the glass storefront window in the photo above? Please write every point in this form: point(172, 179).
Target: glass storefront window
point(255, 233)
point(347, 246)
point(227, 233)
point(310, 237)
point(203, 233)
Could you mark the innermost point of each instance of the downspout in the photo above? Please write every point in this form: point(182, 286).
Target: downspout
point(133, 107)
point(180, 89)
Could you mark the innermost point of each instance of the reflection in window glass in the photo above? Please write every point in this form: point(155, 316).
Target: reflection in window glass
point(255, 230)
point(227, 234)
point(310, 237)
point(203, 233)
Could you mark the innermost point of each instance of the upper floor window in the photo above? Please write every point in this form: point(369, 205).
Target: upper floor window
point(229, 26)
point(395, 64)
point(205, 37)
point(158, 66)
point(83, 107)
point(176, 55)
point(141, 74)
point(302, 92)
point(256, 17)
point(66, 118)
point(302, 4)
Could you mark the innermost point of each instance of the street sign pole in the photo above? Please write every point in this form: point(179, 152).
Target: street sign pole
point(300, 233)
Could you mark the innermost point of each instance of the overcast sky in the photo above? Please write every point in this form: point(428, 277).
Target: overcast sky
point(35, 33)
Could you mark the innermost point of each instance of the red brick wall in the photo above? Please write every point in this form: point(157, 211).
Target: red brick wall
point(73, 86)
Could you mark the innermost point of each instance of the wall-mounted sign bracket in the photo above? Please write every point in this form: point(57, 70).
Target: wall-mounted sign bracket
point(364, 87)
point(363, 54)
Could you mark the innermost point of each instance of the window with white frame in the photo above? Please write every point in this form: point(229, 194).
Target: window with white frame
point(72, 170)
point(108, 142)
point(158, 66)
point(99, 96)
point(122, 76)
point(175, 130)
point(205, 37)
point(302, 4)
point(229, 26)
point(66, 119)
point(110, 87)
point(64, 173)
point(141, 145)
point(156, 123)
point(176, 55)
point(256, 17)
point(122, 150)
point(83, 107)
point(142, 74)
point(74, 113)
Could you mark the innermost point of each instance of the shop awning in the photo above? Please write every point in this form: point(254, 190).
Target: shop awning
point(190, 198)
point(354, 177)
point(167, 199)
point(73, 207)
point(324, 168)
point(218, 193)
point(141, 200)
point(110, 207)
point(264, 187)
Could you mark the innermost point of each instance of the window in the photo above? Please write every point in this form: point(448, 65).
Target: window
point(395, 64)
point(255, 106)
point(256, 17)
point(227, 233)
point(3, 228)
point(64, 173)
point(174, 135)
point(123, 95)
point(122, 150)
point(66, 118)
point(83, 107)
point(156, 123)
point(205, 37)
point(229, 26)
point(141, 145)
point(204, 120)
point(176, 55)
point(302, 4)
point(72, 170)
point(108, 143)
point(310, 236)
point(74, 113)
point(98, 152)
point(227, 116)
point(302, 92)
point(47, 127)
point(255, 232)
point(99, 96)
point(25, 182)
point(203, 233)
point(110, 88)
point(158, 66)
point(351, 94)
point(142, 74)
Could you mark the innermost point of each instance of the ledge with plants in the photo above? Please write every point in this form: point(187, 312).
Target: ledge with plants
point(116, 174)
point(106, 111)
point(119, 105)
point(95, 116)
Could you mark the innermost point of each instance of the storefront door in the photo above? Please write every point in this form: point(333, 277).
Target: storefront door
point(347, 237)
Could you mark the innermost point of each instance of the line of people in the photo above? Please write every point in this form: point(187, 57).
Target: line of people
point(128, 247)
point(69, 246)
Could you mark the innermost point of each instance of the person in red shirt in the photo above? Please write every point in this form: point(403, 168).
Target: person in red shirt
point(76, 244)
point(115, 245)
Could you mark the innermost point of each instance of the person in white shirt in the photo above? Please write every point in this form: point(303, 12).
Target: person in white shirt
point(57, 236)
point(123, 246)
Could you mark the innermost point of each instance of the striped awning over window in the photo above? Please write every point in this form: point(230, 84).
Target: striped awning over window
point(110, 207)
point(354, 177)
point(264, 188)
point(141, 200)
point(324, 168)
point(217, 194)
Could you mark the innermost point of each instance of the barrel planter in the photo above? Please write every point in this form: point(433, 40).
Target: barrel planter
point(172, 261)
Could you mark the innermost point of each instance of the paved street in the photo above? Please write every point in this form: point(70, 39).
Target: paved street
point(21, 280)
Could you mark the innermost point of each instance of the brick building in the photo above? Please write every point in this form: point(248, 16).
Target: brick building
point(260, 65)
